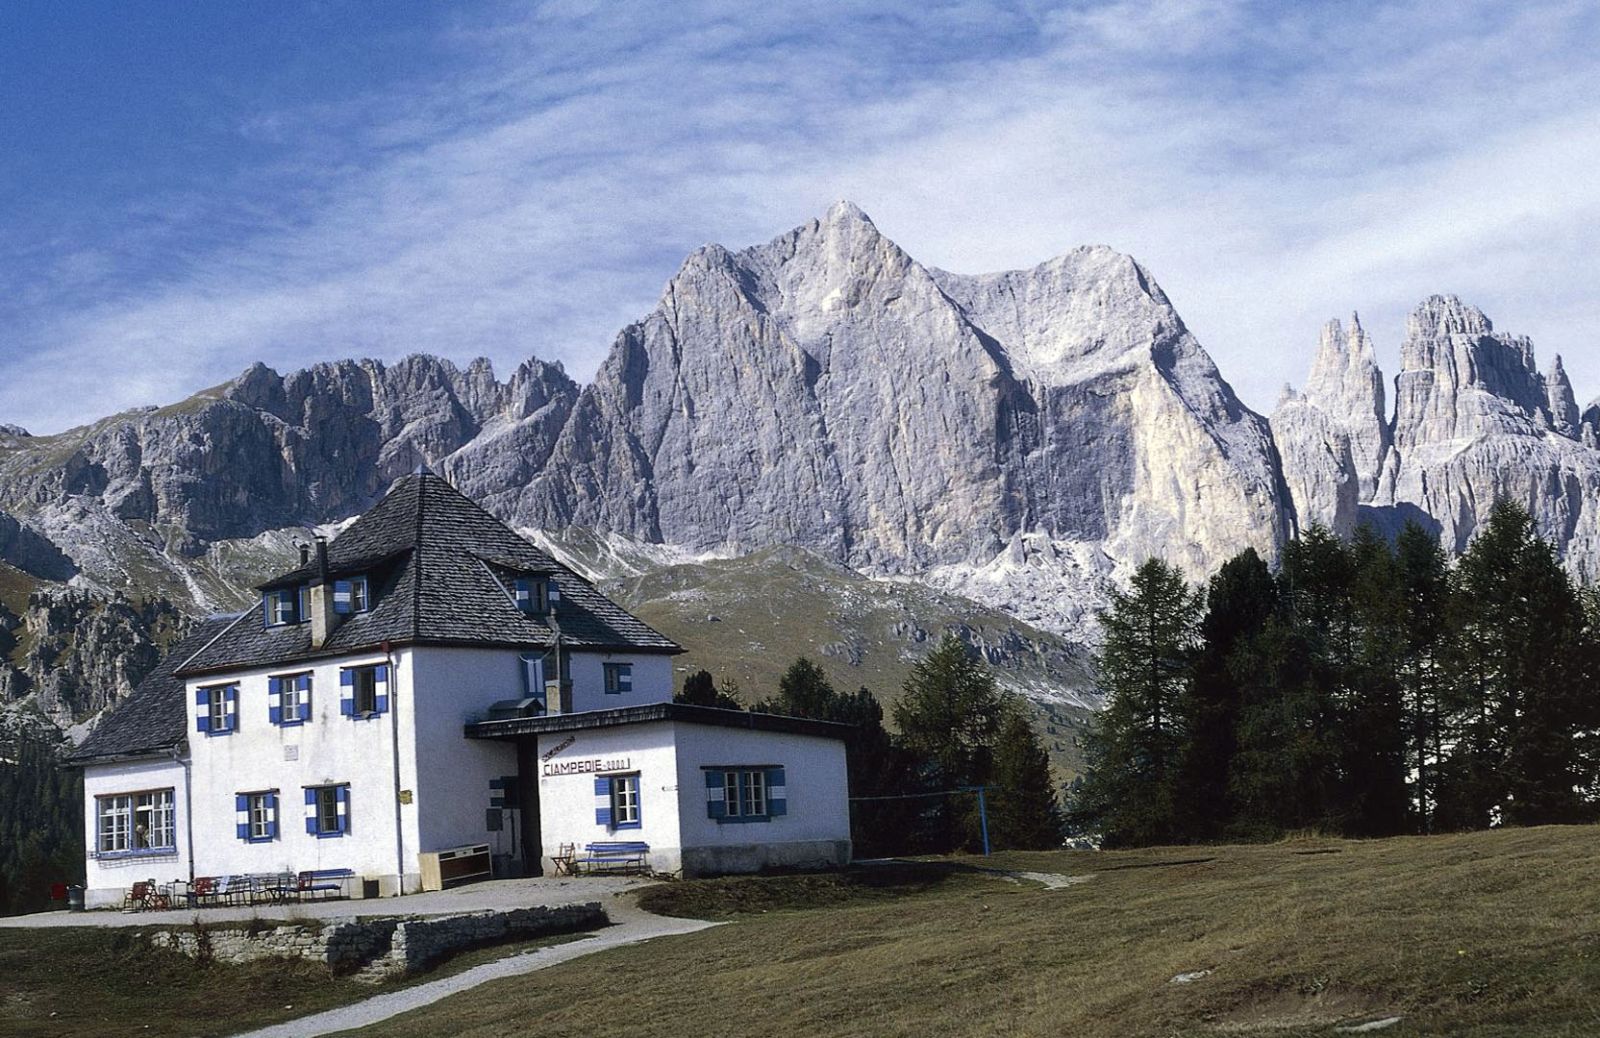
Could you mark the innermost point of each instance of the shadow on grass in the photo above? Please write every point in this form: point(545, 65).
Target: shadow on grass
point(727, 897)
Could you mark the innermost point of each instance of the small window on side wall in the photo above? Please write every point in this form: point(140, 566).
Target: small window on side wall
point(328, 810)
point(351, 596)
point(364, 691)
point(619, 678)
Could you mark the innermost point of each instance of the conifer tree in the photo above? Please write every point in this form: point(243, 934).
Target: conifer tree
point(1521, 696)
point(1240, 599)
point(1422, 604)
point(1373, 766)
point(1135, 745)
point(1023, 811)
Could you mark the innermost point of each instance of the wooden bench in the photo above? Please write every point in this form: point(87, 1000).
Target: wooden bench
point(627, 856)
point(323, 881)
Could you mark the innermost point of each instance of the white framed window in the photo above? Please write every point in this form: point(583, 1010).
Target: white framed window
point(216, 709)
point(746, 793)
point(262, 816)
point(289, 698)
point(328, 810)
point(625, 801)
point(352, 596)
point(619, 678)
point(281, 607)
point(127, 822)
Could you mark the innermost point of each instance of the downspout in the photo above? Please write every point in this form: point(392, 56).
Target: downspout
point(188, 808)
point(394, 740)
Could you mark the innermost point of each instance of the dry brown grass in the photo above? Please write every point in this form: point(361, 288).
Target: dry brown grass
point(1490, 934)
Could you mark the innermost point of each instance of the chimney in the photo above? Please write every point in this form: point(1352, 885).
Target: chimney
point(305, 555)
point(323, 618)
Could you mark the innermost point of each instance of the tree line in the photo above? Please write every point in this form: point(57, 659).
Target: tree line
point(41, 823)
point(955, 730)
point(1366, 688)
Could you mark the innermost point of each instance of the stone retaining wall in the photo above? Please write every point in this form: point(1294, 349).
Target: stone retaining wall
point(375, 948)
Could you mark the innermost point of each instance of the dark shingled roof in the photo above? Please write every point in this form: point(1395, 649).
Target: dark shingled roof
point(154, 719)
point(437, 564)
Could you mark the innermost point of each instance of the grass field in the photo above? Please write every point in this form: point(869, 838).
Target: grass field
point(64, 983)
point(1489, 934)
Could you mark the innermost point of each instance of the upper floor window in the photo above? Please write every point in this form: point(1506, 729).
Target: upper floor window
point(289, 699)
point(364, 690)
point(128, 822)
point(216, 709)
point(619, 678)
point(534, 594)
point(352, 596)
point(281, 606)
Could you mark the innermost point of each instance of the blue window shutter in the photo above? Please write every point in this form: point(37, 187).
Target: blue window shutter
point(230, 708)
point(522, 591)
point(342, 795)
point(202, 721)
point(347, 692)
point(303, 683)
point(241, 816)
point(381, 680)
point(311, 810)
point(274, 700)
point(272, 816)
point(341, 596)
point(602, 801)
point(715, 807)
point(777, 793)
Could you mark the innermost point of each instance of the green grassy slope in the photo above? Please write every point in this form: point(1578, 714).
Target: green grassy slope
point(1488, 934)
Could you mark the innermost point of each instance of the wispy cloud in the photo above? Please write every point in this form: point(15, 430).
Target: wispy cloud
point(1272, 166)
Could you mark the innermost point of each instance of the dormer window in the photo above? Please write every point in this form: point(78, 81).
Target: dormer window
point(351, 596)
point(532, 594)
point(281, 607)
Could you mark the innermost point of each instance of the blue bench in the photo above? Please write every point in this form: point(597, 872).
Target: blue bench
point(324, 881)
point(615, 857)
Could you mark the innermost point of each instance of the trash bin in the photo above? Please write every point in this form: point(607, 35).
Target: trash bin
point(74, 898)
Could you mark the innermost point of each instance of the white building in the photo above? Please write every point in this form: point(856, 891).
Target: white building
point(430, 680)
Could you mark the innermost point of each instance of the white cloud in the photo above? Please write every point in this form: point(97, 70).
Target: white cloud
point(1272, 168)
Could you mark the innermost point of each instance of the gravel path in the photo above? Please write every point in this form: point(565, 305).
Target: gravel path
point(632, 925)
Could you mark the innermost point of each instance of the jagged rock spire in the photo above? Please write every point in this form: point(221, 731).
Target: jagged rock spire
point(1564, 418)
point(1346, 383)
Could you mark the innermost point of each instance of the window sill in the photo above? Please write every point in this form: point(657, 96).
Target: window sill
point(329, 836)
point(744, 819)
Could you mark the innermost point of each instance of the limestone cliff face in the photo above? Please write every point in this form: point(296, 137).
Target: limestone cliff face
point(1474, 421)
point(1319, 464)
point(827, 390)
point(144, 497)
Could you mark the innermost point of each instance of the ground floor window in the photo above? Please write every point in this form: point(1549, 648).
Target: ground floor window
point(328, 810)
point(616, 801)
point(256, 818)
point(135, 822)
point(745, 794)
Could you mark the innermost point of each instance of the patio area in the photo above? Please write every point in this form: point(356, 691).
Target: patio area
point(488, 896)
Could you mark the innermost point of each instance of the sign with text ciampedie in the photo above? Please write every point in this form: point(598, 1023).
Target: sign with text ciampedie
point(587, 766)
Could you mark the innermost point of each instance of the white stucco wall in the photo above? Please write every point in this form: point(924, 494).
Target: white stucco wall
point(817, 791)
point(567, 801)
point(109, 877)
point(329, 748)
point(670, 758)
point(453, 686)
point(652, 680)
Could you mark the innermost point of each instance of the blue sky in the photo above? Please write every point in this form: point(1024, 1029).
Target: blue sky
point(187, 188)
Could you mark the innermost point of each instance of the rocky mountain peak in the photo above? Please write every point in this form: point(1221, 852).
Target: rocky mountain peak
point(1564, 417)
point(1346, 383)
point(1442, 315)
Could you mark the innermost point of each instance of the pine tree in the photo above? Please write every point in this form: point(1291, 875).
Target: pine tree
point(803, 691)
point(700, 689)
point(1135, 745)
point(949, 714)
point(1521, 697)
point(1373, 766)
point(1023, 811)
point(1240, 599)
point(1424, 591)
